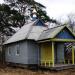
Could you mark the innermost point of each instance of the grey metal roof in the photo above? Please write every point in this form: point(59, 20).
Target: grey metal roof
point(51, 33)
point(29, 31)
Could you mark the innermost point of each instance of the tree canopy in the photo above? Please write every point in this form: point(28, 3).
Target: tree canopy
point(8, 19)
point(13, 14)
point(22, 5)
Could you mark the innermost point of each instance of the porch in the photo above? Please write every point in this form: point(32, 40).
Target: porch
point(54, 55)
point(59, 67)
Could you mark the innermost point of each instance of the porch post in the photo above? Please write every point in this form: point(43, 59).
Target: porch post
point(53, 54)
point(72, 55)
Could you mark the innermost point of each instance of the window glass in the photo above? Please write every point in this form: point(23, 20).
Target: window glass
point(9, 50)
point(18, 50)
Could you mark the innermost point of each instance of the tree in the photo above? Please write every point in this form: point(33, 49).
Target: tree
point(9, 19)
point(13, 14)
point(23, 5)
point(71, 21)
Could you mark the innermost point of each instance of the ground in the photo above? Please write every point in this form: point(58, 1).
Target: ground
point(23, 71)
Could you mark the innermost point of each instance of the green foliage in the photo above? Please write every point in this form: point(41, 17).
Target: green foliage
point(8, 19)
point(12, 14)
point(23, 4)
point(30, 2)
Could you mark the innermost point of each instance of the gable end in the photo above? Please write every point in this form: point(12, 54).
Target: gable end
point(39, 23)
point(65, 34)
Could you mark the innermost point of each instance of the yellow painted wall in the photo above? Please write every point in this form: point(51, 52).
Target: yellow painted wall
point(46, 51)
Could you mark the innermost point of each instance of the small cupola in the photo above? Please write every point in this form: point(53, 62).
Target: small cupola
point(34, 15)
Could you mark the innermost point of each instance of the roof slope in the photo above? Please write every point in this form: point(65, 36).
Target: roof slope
point(29, 31)
point(35, 32)
point(52, 32)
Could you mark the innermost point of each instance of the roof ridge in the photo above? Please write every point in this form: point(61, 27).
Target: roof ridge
point(57, 26)
point(54, 27)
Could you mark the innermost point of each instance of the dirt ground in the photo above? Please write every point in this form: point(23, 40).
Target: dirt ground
point(5, 70)
point(21, 71)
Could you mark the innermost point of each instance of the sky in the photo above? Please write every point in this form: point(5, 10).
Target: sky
point(1, 1)
point(57, 8)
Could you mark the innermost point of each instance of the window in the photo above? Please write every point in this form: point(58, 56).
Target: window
point(17, 50)
point(9, 51)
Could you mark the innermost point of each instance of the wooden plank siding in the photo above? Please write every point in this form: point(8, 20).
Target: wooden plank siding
point(28, 53)
point(46, 53)
point(59, 52)
point(65, 34)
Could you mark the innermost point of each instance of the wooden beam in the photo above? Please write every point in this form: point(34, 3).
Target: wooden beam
point(72, 55)
point(53, 54)
point(62, 40)
point(57, 40)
